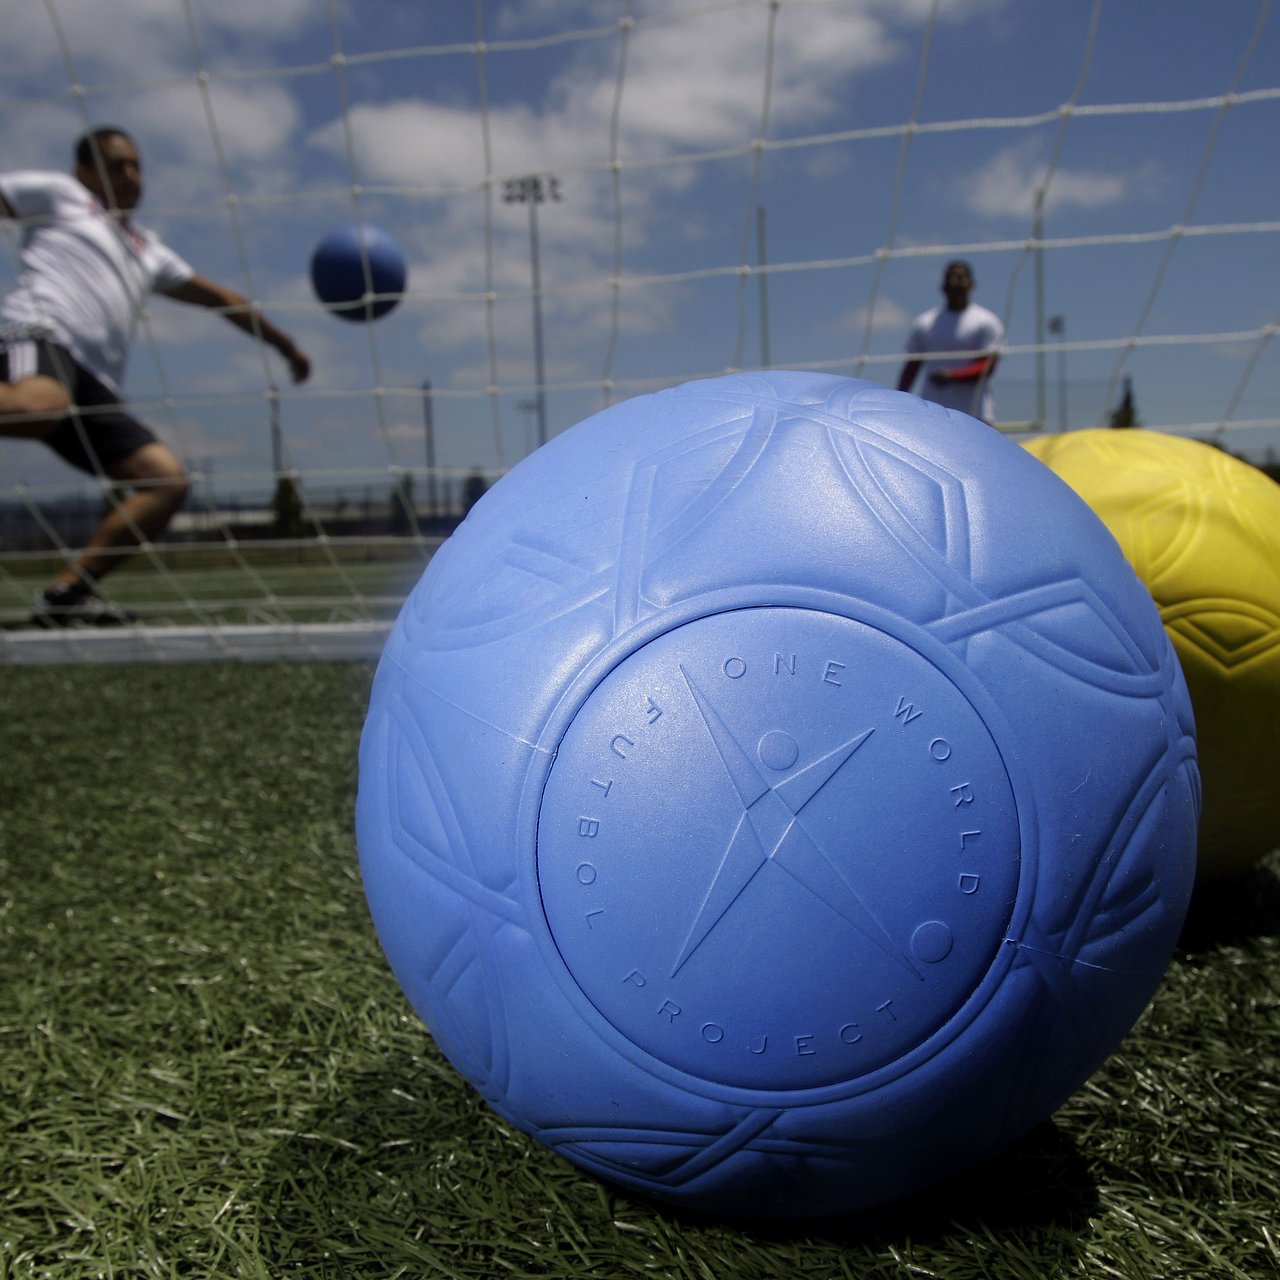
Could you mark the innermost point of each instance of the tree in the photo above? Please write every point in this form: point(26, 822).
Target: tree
point(402, 508)
point(1125, 414)
point(286, 507)
point(473, 489)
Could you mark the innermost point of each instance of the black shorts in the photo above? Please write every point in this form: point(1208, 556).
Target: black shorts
point(99, 433)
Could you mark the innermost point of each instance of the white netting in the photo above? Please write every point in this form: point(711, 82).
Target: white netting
point(598, 199)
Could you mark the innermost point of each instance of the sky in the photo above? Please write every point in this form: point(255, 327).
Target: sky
point(853, 146)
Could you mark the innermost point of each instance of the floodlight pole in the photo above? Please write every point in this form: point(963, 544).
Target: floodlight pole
point(1038, 232)
point(527, 407)
point(532, 190)
point(428, 421)
point(1057, 326)
point(277, 442)
point(763, 262)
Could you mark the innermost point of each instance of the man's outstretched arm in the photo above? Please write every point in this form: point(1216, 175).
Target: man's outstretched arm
point(244, 315)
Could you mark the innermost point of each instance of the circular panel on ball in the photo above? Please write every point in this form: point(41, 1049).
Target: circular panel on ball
point(777, 849)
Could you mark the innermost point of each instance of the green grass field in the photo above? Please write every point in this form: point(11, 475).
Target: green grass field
point(210, 586)
point(208, 1070)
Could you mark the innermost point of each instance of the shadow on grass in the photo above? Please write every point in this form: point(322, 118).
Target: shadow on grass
point(1233, 910)
point(374, 1188)
point(1040, 1186)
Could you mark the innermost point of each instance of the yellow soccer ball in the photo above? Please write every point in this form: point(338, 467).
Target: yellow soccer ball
point(1202, 531)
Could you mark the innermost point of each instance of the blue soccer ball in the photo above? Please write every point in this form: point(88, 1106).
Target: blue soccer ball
point(359, 273)
point(778, 795)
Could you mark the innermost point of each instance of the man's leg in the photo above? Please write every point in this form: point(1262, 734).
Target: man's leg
point(99, 437)
point(161, 487)
point(30, 408)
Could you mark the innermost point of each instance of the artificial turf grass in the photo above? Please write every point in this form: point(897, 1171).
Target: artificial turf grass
point(208, 1069)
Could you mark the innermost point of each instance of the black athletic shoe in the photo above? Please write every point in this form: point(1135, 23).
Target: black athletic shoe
point(77, 607)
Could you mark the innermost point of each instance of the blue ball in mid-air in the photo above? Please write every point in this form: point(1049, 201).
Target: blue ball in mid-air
point(778, 795)
point(358, 272)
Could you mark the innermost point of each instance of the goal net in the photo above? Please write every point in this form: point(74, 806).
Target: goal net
point(597, 199)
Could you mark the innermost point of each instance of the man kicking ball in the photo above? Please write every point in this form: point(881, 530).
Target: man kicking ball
point(87, 268)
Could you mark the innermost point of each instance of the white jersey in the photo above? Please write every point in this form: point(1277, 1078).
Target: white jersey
point(85, 272)
point(970, 333)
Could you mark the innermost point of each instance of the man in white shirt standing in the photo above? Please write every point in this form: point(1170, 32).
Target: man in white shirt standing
point(65, 333)
point(957, 345)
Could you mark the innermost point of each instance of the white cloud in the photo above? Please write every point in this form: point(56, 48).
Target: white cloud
point(419, 143)
point(700, 82)
point(690, 85)
point(137, 63)
point(135, 40)
point(1006, 186)
point(254, 122)
point(888, 317)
